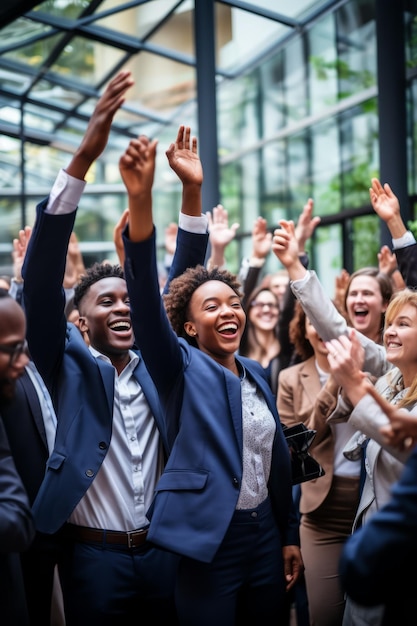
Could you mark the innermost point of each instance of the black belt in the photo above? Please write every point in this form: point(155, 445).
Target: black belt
point(131, 539)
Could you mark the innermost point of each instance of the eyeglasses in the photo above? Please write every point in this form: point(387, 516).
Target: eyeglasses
point(261, 305)
point(14, 351)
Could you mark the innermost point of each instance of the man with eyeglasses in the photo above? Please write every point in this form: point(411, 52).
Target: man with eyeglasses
point(16, 524)
point(30, 423)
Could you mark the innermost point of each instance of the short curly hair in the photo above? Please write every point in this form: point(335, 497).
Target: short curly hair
point(93, 274)
point(182, 288)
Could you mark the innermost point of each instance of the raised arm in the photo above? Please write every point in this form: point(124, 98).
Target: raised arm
point(261, 248)
point(220, 235)
point(137, 168)
point(386, 205)
point(44, 265)
point(317, 304)
point(183, 158)
point(98, 129)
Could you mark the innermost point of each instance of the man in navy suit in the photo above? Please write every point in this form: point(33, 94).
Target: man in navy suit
point(111, 441)
point(24, 419)
point(16, 524)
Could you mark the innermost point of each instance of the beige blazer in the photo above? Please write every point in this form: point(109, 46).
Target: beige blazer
point(301, 398)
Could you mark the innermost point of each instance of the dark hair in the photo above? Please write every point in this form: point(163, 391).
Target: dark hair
point(93, 274)
point(182, 288)
point(297, 333)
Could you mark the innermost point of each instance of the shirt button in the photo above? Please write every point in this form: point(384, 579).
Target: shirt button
point(254, 514)
point(102, 445)
point(235, 481)
point(89, 473)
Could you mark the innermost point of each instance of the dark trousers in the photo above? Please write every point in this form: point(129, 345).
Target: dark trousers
point(245, 581)
point(116, 586)
point(38, 566)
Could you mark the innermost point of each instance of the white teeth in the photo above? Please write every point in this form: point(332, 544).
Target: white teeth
point(232, 327)
point(120, 326)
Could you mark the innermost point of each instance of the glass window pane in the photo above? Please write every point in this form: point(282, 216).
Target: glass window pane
point(365, 241)
point(327, 257)
point(323, 82)
point(356, 47)
point(325, 167)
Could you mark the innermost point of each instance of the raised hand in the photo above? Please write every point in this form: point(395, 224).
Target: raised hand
point(221, 234)
point(98, 129)
point(261, 239)
point(20, 244)
point(340, 286)
point(137, 166)
point(137, 169)
point(117, 236)
point(385, 203)
point(74, 266)
point(387, 261)
point(346, 356)
point(306, 224)
point(284, 244)
point(183, 157)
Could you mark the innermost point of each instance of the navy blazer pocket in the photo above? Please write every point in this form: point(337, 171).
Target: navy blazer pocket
point(179, 480)
point(182, 480)
point(55, 461)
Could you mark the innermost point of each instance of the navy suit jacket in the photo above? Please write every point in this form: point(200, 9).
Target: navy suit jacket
point(407, 264)
point(198, 491)
point(16, 534)
point(376, 559)
point(81, 387)
point(25, 429)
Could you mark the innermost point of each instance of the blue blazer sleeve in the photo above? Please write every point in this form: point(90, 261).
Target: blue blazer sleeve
point(375, 557)
point(16, 525)
point(407, 264)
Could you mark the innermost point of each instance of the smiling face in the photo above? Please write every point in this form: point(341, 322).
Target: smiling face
point(217, 320)
point(278, 284)
point(105, 318)
point(400, 339)
point(365, 306)
point(12, 333)
point(264, 311)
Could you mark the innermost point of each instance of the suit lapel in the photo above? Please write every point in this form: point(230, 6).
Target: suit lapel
point(310, 380)
point(34, 404)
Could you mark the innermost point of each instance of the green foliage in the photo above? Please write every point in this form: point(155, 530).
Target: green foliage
point(364, 78)
point(365, 241)
point(412, 225)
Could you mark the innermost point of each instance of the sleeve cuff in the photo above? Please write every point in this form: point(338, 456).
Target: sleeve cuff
point(407, 239)
point(193, 224)
point(65, 194)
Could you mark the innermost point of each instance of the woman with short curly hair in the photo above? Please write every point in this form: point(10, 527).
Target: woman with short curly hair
point(223, 502)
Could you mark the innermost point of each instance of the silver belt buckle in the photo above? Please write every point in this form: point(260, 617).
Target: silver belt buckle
point(130, 538)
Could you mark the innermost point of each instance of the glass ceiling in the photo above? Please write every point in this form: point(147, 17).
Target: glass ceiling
point(56, 56)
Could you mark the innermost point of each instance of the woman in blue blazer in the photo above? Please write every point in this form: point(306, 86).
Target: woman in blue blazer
point(224, 500)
